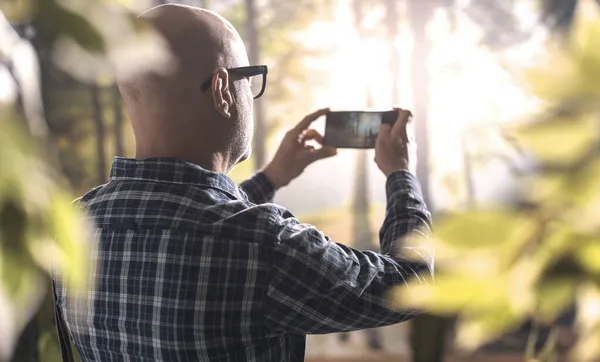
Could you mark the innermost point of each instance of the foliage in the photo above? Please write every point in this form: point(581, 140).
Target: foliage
point(497, 267)
point(41, 231)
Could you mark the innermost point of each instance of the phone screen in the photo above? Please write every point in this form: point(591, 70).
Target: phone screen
point(355, 129)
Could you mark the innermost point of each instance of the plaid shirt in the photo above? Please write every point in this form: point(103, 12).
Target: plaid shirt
point(191, 267)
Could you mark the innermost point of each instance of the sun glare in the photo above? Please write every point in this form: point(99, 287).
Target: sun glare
point(469, 86)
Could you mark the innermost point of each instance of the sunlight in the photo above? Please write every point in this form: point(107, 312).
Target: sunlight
point(470, 86)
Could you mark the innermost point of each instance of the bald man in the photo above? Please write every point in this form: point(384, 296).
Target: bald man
point(190, 266)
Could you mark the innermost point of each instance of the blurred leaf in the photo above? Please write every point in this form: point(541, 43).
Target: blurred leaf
point(72, 25)
point(571, 71)
point(559, 141)
point(585, 186)
point(73, 241)
point(589, 254)
point(572, 196)
point(486, 240)
point(473, 330)
point(554, 296)
point(548, 189)
point(585, 43)
point(477, 294)
point(485, 229)
point(18, 274)
point(17, 11)
point(558, 242)
point(588, 321)
point(14, 226)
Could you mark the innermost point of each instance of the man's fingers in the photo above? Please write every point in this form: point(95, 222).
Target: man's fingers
point(305, 123)
point(399, 129)
point(321, 153)
point(410, 131)
point(384, 135)
point(313, 134)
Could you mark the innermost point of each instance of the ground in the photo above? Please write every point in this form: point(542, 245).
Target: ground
point(458, 358)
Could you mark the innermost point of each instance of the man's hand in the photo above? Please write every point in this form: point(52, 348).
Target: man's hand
point(396, 149)
point(294, 154)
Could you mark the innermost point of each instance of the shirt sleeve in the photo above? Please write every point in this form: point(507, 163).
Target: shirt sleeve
point(319, 286)
point(259, 189)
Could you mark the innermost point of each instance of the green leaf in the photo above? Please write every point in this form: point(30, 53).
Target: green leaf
point(554, 296)
point(585, 47)
point(17, 11)
point(585, 185)
point(588, 255)
point(559, 141)
point(474, 330)
point(485, 240)
point(69, 245)
point(74, 238)
point(72, 25)
point(485, 229)
point(451, 294)
point(13, 225)
point(559, 241)
point(549, 190)
point(18, 275)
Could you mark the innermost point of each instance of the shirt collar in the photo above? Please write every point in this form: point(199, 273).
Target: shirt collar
point(173, 171)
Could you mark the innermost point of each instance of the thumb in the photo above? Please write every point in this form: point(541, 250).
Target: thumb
point(321, 153)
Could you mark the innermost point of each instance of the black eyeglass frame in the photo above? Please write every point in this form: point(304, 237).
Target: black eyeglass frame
point(250, 71)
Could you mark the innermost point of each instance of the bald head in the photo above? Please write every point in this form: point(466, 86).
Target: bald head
point(171, 115)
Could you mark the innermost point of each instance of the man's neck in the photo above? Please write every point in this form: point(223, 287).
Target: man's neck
point(212, 162)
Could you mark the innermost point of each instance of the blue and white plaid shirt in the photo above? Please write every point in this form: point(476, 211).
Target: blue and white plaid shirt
point(191, 267)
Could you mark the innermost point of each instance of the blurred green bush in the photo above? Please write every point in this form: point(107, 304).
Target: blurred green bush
point(497, 267)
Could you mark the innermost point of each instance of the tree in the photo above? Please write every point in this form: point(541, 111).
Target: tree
point(118, 121)
point(98, 118)
point(254, 57)
point(427, 331)
point(290, 79)
point(392, 19)
point(361, 224)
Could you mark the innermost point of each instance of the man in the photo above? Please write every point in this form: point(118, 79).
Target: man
point(192, 267)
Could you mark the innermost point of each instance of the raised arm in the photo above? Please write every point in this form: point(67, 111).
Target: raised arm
point(319, 286)
point(290, 160)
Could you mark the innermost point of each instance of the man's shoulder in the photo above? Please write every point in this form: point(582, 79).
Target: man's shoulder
point(87, 197)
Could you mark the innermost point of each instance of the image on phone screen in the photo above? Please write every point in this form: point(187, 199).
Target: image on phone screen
point(355, 129)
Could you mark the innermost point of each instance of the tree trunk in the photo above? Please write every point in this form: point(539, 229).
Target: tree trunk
point(254, 57)
point(392, 21)
point(118, 113)
point(361, 227)
point(361, 223)
point(427, 336)
point(97, 117)
point(469, 175)
point(420, 13)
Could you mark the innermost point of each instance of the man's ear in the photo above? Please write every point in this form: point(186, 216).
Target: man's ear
point(221, 93)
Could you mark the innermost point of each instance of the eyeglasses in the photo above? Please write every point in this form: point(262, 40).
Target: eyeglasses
point(256, 74)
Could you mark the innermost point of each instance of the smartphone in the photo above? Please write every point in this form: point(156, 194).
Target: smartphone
point(355, 129)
